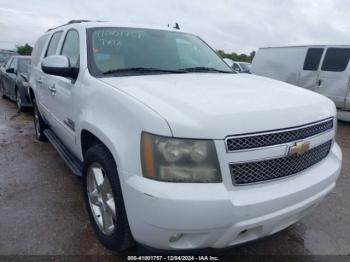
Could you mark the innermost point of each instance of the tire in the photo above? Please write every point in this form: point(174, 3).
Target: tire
point(2, 92)
point(18, 101)
point(39, 123)
point(111, 228)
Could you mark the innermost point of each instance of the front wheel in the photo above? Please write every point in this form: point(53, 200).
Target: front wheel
point(104, 199)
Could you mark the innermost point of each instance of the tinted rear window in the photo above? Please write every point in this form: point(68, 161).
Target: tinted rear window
point(312, 59)
point(336, 59)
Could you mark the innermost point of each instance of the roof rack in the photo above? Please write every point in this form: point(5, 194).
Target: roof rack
point(70, 22)
point(78, 21)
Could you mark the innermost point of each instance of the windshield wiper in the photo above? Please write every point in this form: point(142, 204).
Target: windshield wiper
point(205, 69)
point(142, 70)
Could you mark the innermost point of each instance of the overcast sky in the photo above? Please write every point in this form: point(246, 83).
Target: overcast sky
point(239, 26)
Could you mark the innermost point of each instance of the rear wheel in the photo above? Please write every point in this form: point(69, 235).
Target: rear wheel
point(39, 123)
point(104, 199)
point(18, 100)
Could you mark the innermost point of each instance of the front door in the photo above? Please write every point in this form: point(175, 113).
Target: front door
point(333, 78)
point(63, 90)
point(310, 72)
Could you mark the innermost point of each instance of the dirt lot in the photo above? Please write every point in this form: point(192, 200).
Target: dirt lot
point(42, 211)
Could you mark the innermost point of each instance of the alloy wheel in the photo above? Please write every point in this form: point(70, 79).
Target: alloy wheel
point(101, 200)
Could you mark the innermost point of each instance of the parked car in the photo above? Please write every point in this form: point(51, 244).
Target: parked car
point(5, 55)
point(175, 150)
point(239, 67)
point(322, 69)
point(14, 81)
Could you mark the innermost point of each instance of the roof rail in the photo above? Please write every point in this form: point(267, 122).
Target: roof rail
point(70, 22)
point(78, 21)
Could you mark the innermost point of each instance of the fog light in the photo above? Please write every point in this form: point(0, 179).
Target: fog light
point(175, 237)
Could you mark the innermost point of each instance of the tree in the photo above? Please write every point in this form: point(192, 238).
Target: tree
point(237, 57)
point(24, 49)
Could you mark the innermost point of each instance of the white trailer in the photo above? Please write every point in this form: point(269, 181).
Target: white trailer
point(324, 69)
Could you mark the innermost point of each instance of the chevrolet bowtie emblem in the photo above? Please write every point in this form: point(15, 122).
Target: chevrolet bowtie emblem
point(299, 149)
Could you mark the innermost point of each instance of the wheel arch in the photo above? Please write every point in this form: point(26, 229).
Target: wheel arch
point(90, 136)
point(88, 140)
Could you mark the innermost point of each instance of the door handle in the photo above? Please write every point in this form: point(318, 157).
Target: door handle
point(319, 83)
point(52, 89)
point(39, 81)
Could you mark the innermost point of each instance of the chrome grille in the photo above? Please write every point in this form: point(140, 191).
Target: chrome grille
point(278, 137)
point(253, 172)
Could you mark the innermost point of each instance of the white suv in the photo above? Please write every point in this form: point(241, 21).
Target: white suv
point(176, 151)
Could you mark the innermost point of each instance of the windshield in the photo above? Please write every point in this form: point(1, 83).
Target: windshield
point(115, 50)
point(23, 65)
point(4, 57)
point(245, 66)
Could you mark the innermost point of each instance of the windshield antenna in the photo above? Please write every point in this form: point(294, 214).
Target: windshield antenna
point(177, 26)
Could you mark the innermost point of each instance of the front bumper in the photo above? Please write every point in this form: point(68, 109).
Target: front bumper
point(177, 216)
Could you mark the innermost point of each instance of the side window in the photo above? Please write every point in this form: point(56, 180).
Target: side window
point(336, 59)
point(313, 59)
point(55, 39)
point(38, 50)
point(71, 48)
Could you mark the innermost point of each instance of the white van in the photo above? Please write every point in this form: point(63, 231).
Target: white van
point(323, 69)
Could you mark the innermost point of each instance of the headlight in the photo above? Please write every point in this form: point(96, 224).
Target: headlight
point(25, 83)
point(179, 160)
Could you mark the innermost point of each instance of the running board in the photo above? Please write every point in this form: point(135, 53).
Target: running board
point(73, 163)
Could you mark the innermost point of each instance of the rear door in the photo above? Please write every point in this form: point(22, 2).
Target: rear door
point(45, 81)
point(36, 74)
point(333, 78)
point(310, 72)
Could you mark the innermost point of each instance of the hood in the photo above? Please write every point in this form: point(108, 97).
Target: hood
point(213, 106)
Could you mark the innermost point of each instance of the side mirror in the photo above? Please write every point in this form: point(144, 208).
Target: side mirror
point(58, 65)
point(10, 70)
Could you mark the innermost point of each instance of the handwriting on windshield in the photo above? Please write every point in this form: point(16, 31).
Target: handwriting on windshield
point(110, 37)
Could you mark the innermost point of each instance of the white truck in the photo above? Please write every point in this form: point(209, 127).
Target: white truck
point(324, 69)
point(175, 150)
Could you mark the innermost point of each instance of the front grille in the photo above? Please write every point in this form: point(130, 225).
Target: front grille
point(278, 137)
point(253, 172)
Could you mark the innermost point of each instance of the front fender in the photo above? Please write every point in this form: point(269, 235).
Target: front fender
point(117, 119)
